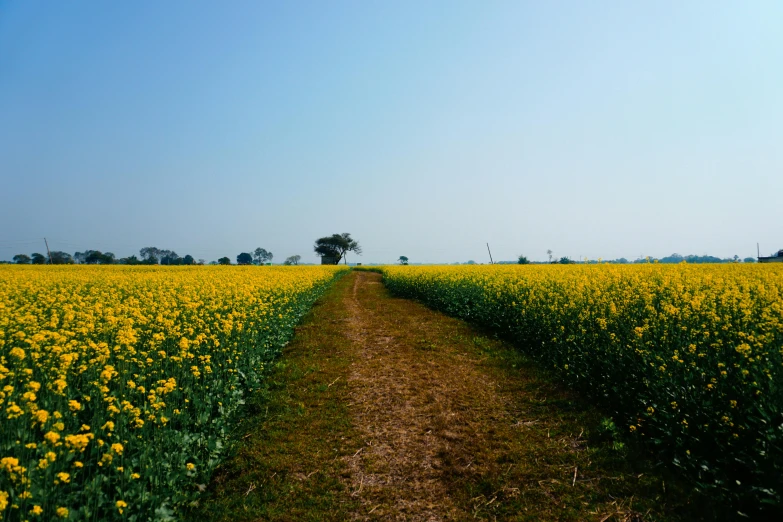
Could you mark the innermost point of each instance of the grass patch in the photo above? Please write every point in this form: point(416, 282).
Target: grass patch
point(292, 434)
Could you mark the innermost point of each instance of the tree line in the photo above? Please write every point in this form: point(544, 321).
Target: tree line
point(674, 258)
point(147, 256)
point(332, 249)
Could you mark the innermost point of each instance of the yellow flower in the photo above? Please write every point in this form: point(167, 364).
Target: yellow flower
point(62, 512)
point(52, 437)
point(3, 500)
point(9, 463)
point(120, 505)
point(41, 416)
point(37, 510)
point(63, 477)
point(191, 466)
point(78, 442)
point(117, 448)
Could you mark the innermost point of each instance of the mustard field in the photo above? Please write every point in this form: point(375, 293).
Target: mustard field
point(118, 384)
point(687, 359)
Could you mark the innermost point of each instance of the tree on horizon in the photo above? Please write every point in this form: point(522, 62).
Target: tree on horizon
point(336, 247)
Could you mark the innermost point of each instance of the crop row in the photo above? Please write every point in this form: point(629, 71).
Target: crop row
point(118, 384)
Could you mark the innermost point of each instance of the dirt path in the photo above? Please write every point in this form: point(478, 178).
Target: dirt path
point(386, 410)
point(419, 404)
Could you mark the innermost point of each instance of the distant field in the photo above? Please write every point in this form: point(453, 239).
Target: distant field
point(686, 358)
point(117, 383)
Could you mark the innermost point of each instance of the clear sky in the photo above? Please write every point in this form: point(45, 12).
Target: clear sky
point(426, 129)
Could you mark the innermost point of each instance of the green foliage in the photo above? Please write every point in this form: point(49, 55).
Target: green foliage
point(335, 247)
point(523, 260)
point(61, 258)
point(224, 261)
point(261, 256)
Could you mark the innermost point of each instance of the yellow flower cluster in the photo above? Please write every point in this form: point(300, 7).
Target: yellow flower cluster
point(686, 357)
point(156, 358)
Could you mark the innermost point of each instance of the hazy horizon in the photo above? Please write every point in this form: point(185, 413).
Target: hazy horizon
point(604, 130)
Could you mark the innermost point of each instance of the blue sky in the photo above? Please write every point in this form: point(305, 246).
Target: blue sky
point(426, 129)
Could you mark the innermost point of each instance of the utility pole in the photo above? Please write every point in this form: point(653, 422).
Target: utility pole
point(758, 251)
point(490, 255)
point(47, 251)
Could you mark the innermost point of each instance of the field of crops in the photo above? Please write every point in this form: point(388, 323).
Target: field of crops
point(685, 358)
point(118, 384)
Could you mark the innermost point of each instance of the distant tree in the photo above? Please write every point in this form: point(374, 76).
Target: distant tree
point(749, 260)
point(202, 261)
point(471, 262)
point(549, 253)
point(292, 260)
point(336, 247)
point(224, 261)
point(169, 257)
point(22, 259)
point(565, 261)
point(403, 260)
point(37, 259)
point(61, 258)
point(261, 256)
point(244, 259)
point(150, 255)
point(92, 257)
point(523, 260)
point(188, 260)
point(130, 260)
